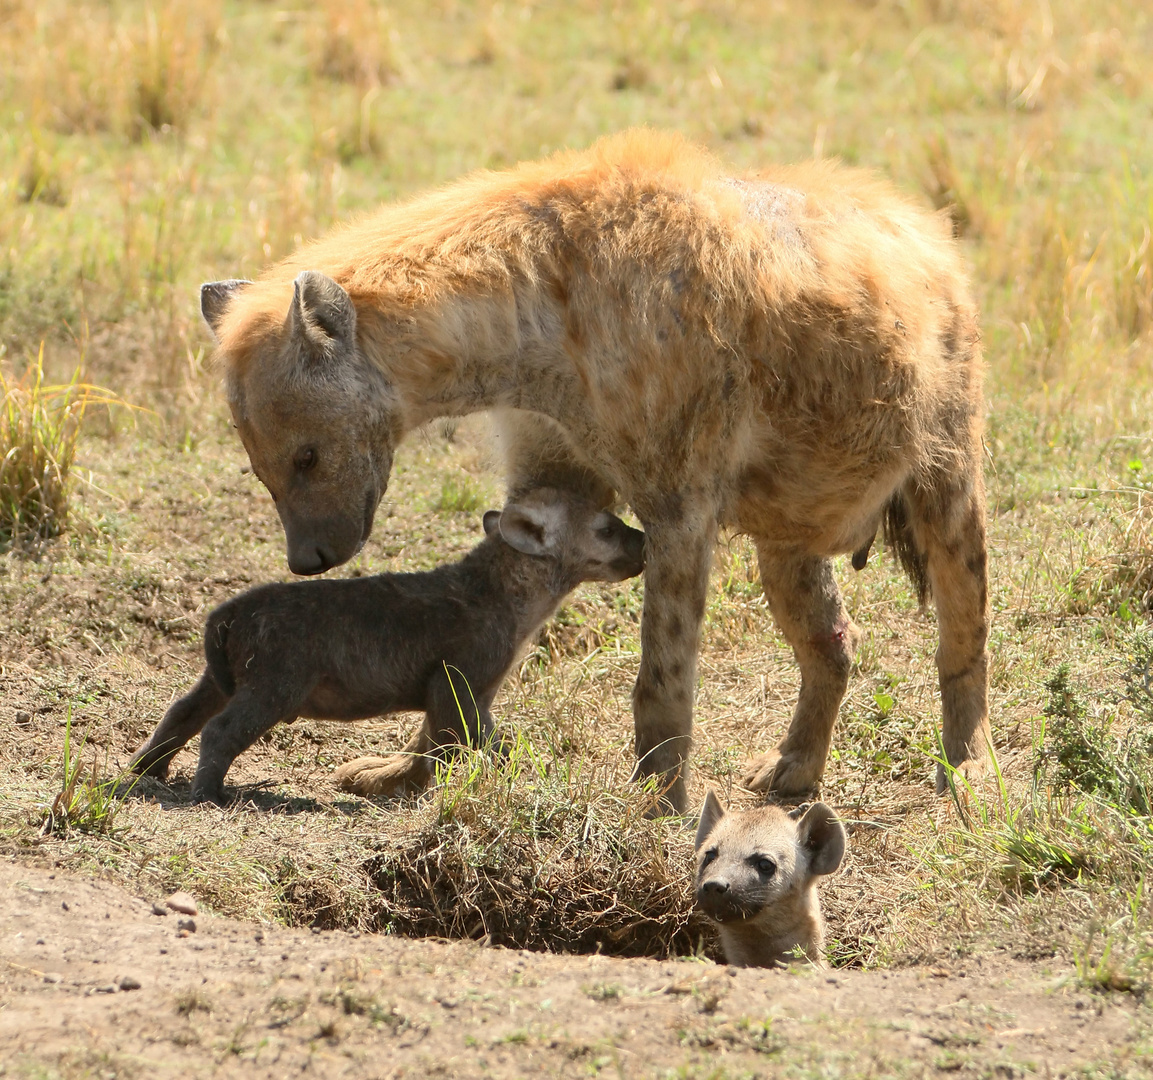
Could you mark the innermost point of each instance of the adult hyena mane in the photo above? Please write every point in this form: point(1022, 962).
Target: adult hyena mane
point(791, 353)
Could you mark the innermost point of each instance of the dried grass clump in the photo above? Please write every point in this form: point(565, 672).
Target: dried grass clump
point(527, 856)
point(352, 44)
point(87, 68)
point(169, 53)
point(947, 190)
point(39, 428)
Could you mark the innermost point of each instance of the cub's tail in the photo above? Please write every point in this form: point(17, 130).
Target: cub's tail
point(216, 650)
point(899, 539)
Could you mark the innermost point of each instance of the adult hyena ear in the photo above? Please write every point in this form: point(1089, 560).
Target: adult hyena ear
point(214, 300)
point(533, 530)
point(820, 832)
point(712, 812)
point(322, 314)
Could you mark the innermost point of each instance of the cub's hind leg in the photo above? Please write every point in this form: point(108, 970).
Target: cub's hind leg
point(232, 731)
point(184, 719)
point(453, 718)
point(806, 605)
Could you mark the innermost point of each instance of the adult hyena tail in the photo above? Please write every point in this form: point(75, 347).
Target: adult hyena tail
point(902, 542)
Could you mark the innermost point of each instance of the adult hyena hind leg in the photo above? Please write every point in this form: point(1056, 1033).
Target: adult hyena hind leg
point(948, 527)
point(184, 719)
point(806, 604)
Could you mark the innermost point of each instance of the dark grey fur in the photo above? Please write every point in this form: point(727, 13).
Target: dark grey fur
point(440, 641)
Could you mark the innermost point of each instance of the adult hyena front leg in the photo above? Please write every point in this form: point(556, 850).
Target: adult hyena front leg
point(677, 561)
point(410, 770)
point(453, 719)
point(806, 604)
point(948, 526)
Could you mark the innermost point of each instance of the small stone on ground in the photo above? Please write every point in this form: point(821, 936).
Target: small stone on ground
point(182, 902)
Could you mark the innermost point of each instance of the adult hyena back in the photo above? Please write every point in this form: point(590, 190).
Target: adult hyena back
point(793, 354)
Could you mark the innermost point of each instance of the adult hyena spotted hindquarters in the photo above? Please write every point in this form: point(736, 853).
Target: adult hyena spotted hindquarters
point(792, 354)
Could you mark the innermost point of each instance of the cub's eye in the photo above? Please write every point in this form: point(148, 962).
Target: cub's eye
point(766, 866)
point(305, 459)
point(709, 856)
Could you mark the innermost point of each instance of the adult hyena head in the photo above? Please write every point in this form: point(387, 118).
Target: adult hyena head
point(317, 418)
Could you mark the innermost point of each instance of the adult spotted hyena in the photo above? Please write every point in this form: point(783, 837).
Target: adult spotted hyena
point(791, 353)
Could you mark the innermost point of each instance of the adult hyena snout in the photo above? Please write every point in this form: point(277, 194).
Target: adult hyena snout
point(314, 546)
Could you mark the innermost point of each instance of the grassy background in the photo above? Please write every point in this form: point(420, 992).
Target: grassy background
point(145, 149)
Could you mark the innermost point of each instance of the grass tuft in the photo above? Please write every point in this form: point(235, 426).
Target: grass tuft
point(84, 803)
point(458, 495)
point(534, 853)
point(39, 429)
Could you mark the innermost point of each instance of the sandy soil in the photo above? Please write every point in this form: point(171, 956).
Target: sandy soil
point(233, 998)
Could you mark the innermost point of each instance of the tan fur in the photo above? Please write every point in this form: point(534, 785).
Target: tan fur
point(757, 876)
point(788, 353)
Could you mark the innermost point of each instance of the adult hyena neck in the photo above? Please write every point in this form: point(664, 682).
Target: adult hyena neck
point(485, 337)
point(778, 935)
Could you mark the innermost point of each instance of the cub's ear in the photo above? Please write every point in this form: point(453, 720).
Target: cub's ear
point(532, 530)
point(214, 300)
point(711, 813)
point(820, 831)
point(491, 522)
point(322, 314)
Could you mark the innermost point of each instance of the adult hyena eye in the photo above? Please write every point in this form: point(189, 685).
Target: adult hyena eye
point(305, 459)
point(766, 866)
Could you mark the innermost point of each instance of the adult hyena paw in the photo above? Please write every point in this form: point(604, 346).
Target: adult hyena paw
point(966, 773)
point(383, 778)
point(785, 774)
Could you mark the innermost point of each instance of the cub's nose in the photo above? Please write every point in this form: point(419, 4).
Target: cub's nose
point(715, 888)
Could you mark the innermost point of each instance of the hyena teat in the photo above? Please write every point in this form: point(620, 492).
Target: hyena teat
point(756, 877)
point(440, 641)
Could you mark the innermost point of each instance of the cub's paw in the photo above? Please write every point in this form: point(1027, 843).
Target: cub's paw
point(210, 793)
point(788, 775)
point(383, 778)
point(151, 764)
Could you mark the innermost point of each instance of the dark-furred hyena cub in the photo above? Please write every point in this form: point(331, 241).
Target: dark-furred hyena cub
point(440, 641)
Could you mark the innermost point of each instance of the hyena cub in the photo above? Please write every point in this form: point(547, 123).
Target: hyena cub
point(756, 877)
point(440, 641)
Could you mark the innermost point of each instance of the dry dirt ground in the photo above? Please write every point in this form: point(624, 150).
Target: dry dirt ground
point(239, 999)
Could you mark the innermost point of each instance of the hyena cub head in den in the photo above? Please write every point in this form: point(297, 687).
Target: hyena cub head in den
point(756, 877)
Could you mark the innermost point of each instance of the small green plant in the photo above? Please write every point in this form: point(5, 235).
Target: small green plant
point(83, 803)
point(1083, 755)
point(458, 495)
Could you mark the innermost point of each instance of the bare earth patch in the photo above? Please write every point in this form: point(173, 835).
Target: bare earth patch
point(237, 998)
